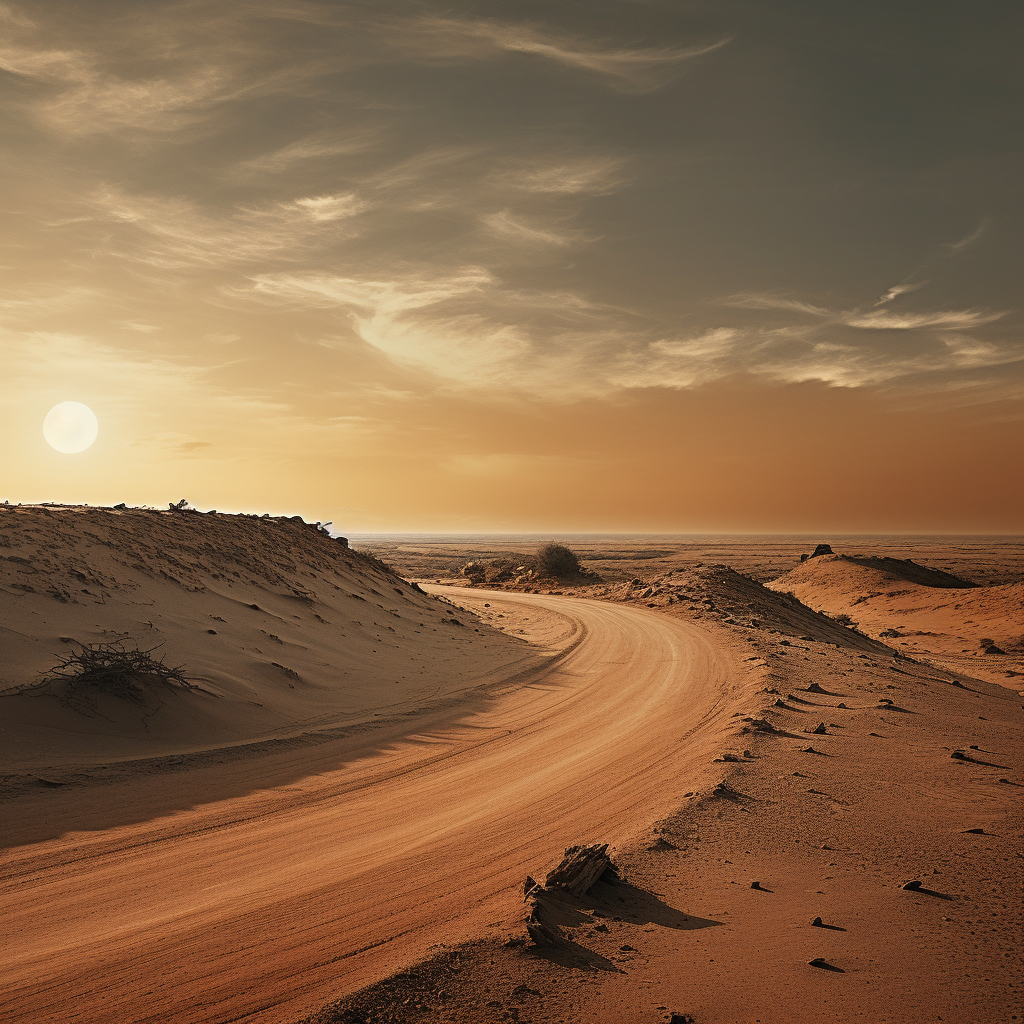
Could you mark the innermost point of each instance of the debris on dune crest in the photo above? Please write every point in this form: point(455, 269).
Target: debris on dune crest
point(578, 870)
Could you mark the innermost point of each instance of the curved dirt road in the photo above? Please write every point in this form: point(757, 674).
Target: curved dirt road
point(265, 907)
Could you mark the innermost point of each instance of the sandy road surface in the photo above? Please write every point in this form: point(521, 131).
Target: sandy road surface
point(263, 907)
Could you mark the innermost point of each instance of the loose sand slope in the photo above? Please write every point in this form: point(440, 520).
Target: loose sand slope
point(265, 904)
point(282, 629)
point(920, 611)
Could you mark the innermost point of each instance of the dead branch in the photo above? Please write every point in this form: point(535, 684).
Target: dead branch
point(114, 669)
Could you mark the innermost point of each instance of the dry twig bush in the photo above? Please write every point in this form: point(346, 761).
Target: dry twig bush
point(111, 669)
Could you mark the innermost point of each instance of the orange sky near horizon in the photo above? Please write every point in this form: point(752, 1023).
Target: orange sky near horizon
point(658, 267)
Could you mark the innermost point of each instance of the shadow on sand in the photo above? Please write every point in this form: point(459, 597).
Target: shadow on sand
point(609, 899)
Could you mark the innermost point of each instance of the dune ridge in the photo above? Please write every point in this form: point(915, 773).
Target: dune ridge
point(280, 630)
point(922, 612)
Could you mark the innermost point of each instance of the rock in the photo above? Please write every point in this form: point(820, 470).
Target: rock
point(820, 729)
point(821, 549)
point(817, 923)
point(626, 949)
point(757, 886)
point(661, 844)
point(820, 961)
point(843, 706)
point(814, 688)
point(913, 886)
point(475, 571)
point(520, 991)
point(993, 649)
point(121, 505)
point(959, 755)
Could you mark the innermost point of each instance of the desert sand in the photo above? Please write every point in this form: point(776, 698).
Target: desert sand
point(335, 820)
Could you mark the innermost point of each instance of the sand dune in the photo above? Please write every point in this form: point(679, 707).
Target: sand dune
point(281, 629)
point(923, 612)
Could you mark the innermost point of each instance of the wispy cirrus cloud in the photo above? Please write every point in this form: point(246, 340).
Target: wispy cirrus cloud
point(632, 69)
point(897, 290)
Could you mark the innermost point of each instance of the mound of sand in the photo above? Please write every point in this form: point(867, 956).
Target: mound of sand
point(719, 592)
point(925, 613)
point(280, 629)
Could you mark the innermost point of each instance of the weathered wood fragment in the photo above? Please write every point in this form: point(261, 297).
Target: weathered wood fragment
point(580, 868)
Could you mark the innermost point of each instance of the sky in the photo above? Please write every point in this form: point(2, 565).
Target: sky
point(659, 266)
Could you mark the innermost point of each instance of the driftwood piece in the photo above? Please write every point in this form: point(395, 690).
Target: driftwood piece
point(580, 868)
point(541, 932)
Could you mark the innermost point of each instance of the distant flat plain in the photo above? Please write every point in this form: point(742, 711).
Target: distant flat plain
point(984, 559)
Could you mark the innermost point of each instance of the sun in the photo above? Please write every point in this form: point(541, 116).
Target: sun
point(70, 427)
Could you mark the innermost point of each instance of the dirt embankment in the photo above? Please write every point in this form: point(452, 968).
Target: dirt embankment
point(279, 629)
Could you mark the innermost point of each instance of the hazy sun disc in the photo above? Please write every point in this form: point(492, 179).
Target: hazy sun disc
point(70, 427)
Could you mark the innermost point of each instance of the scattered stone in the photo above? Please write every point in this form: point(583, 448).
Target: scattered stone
point(521, 991)
point(843, 706)
point(681, 1018)
point(626, 949)
point(661, 844)
point(820, 729)
point(821, 962)
point(809, 750)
